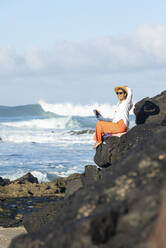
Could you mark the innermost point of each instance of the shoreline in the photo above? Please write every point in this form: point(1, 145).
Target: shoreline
point(117, 205)
point(7, 234)
point(24, 195)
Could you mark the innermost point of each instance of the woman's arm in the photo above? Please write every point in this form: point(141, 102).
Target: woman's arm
point(100, 117)
point(129, 97)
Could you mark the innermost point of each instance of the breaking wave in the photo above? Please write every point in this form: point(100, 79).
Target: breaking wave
point(44, 109)
point(52, 116)
point(49, 123)
point(69, 109)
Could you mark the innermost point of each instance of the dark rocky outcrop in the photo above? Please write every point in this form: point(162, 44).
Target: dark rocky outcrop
point(4, 182)
point(77, 181)
point(26, 178)
point(25, 194)
point(12, 210)
point(35, 220)
point(118, 210)
point(114, 207)
point(28, 185)
point(114, 148)
point(74, 182)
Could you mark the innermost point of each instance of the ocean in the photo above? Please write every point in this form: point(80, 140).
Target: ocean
point(48, 140)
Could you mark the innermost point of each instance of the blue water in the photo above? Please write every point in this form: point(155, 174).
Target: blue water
point(36, 139)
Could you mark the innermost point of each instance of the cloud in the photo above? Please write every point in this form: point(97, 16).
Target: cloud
point(142, 49)
point(8, 61)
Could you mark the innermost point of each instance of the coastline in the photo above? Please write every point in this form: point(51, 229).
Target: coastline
point(116, 205)
point(25, 194)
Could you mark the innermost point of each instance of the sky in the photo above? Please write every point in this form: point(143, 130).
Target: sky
point(78, 51)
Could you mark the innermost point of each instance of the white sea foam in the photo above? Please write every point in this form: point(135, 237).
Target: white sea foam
point(69, 109)
point(57, 137)
point(50, 123)
point(74, 169)
point(13, 176)
point(41, 176)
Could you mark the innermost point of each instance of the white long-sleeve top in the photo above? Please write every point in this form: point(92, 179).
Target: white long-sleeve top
point(122, 109)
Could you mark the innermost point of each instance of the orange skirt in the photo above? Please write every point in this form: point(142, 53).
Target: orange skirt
point(103, 127)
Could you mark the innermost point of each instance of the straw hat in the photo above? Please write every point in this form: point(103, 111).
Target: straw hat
point(121, 87)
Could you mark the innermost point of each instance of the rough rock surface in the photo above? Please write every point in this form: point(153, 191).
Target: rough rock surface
point(113, 207)
point(74, 182)
point(117, 211)
point(114, 148)
point(25, 194)
point(26, 178)
point(4, 182)
point(36, 219)
point(28, 186)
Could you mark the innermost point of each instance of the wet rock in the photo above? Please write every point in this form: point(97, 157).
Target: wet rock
point(25, 194)
point(4, 182)
point(90, 131)
point(28, 186)
point(12, 210)
point(26, 178)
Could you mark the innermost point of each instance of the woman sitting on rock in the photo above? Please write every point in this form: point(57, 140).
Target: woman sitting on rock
point(120, 121)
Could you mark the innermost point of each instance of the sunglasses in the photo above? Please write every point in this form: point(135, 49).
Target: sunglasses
point(119, 93)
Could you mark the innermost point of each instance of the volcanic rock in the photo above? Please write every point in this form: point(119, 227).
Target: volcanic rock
point(117, 211)
point(26, 178)
point(26, 194)
point(4, 182)
point(74, 182)
point(113, 149)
